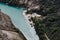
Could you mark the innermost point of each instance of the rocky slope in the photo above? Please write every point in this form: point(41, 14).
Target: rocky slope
point(7, 30)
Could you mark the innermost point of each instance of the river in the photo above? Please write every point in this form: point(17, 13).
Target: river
point(19, 20)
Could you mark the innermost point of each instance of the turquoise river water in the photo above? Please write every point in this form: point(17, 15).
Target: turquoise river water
point(18, 20)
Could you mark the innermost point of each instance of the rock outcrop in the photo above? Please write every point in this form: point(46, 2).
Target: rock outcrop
point(7, 30)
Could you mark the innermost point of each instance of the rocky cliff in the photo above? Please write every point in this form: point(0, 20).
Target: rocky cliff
point(7, 30)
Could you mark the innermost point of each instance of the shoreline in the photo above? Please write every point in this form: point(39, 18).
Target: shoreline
point(32, 30)
point(24, 14)
point(8, 27)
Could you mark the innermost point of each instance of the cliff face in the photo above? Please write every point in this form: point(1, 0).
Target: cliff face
point(7, 30)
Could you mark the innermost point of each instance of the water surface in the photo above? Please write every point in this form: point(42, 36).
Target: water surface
point(18, 20)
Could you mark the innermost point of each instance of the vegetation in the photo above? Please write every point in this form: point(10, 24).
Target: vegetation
point(11, 2)
point(50, 25)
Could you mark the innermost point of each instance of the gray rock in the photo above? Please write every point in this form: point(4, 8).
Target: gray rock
point(9, 35)
point(7, 30)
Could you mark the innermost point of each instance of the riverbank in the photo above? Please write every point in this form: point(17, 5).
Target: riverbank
point(7, 30)
point(27, 17)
